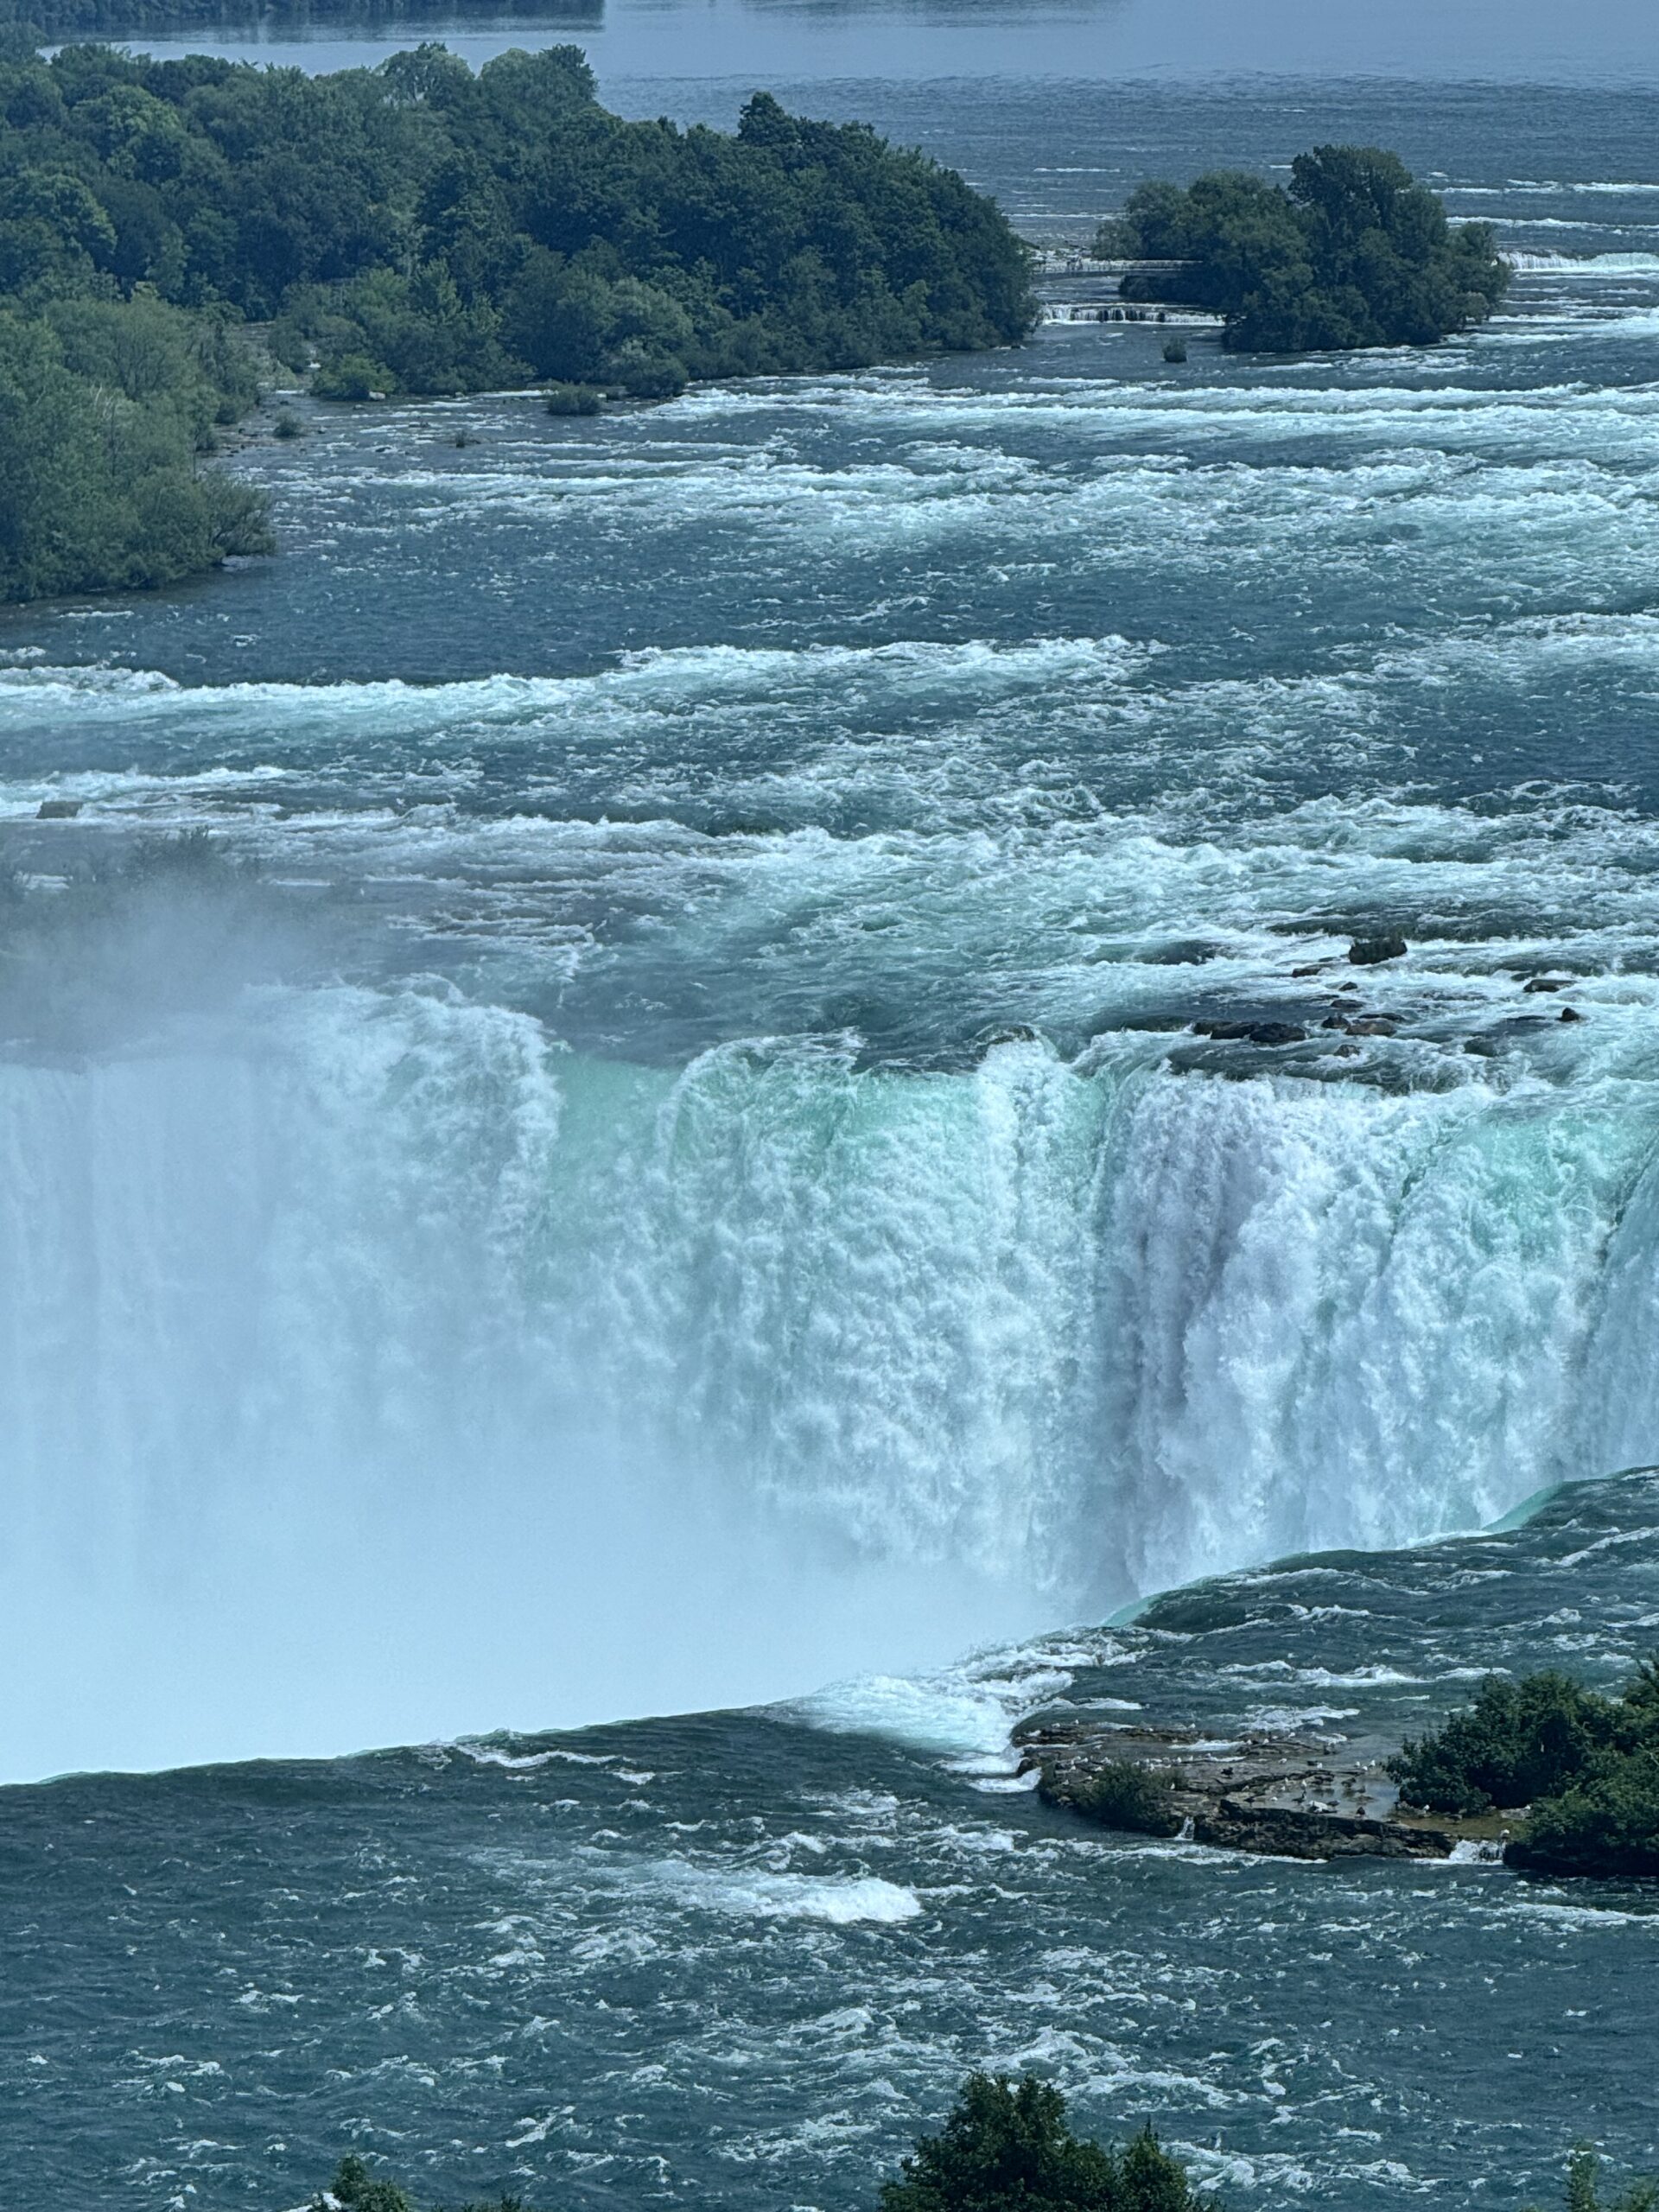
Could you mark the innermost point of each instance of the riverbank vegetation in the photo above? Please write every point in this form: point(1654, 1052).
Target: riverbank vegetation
point(1584, 1766)
point(1353, 252)
point(416, 228)
point(106, 407)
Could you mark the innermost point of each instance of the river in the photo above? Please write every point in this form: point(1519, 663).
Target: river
point(602, 1118)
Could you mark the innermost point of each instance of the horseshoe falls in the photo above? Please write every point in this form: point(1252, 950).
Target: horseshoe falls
point(692, 1053)
point(376, 1370)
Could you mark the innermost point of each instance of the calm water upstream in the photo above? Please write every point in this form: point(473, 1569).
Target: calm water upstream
point(653, 1156)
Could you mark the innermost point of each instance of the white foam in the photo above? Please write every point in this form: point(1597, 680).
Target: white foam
point(756, 1894)
point(1530, 263)
point(965, 1712)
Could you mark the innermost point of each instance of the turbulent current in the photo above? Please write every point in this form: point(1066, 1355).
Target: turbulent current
point(609, 1106)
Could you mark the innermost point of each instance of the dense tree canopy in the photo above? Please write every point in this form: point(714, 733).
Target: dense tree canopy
point(104, 406)
point(124, 19)
point(415, 228)
point(1354, 253)
point(1586, 1765)
point(455, 231)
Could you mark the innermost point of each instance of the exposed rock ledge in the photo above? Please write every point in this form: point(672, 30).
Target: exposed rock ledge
point(1280, 1794)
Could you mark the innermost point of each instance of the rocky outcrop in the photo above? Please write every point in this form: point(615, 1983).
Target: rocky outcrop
point(1282, 1794)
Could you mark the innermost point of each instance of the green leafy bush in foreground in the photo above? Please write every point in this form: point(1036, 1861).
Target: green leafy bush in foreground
point(354, 2189)
point(1583, 2189)
point(1586, 1766)
point(1355, 252)
point(1006, 2148)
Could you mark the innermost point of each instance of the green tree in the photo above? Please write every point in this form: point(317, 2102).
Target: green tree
point(1006, 2148)
point(1355, 253)
point(356, 2189)
point(1583, 2192)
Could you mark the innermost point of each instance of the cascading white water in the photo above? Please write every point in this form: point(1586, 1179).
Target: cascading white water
point(373, 1368)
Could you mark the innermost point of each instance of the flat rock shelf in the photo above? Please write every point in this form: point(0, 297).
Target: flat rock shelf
point(1286, 1795)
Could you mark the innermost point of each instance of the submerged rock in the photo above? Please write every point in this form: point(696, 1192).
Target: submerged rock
point(1253, 1032)
point(1371, 951)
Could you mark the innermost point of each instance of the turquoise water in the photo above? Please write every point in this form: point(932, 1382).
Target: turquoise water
point(653, 1155)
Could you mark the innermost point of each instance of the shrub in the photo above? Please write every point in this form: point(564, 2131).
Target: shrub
point(1518, 1741)
point(573, 399)
point(1006, 2148)
point(1174, 349)
point(287, 425)
point(1122, 1794)
point(352, 376)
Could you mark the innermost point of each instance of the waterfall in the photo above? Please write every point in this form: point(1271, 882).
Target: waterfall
point(374, 1368)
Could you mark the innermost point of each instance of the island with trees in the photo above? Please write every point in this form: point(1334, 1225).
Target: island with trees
point(416, 229)
point(1353, 252)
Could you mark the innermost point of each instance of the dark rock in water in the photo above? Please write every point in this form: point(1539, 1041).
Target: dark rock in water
point(1571, 1014)
point(1253, 1032)
point(1311, 968)
point(1606, 1861)
point(1371, 951)
point(57, 809)
point(1288, 1831)
point(1180, 952)
point(1545, 983)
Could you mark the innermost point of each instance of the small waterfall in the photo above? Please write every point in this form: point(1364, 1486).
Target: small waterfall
point(374, 1368)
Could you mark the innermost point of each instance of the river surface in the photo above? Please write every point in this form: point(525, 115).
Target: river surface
point(601, 1116)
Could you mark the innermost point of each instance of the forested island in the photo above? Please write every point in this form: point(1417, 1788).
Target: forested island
point(416, 228)
point(1353, 252)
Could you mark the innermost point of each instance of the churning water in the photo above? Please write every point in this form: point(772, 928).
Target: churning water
point(600, 1115)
